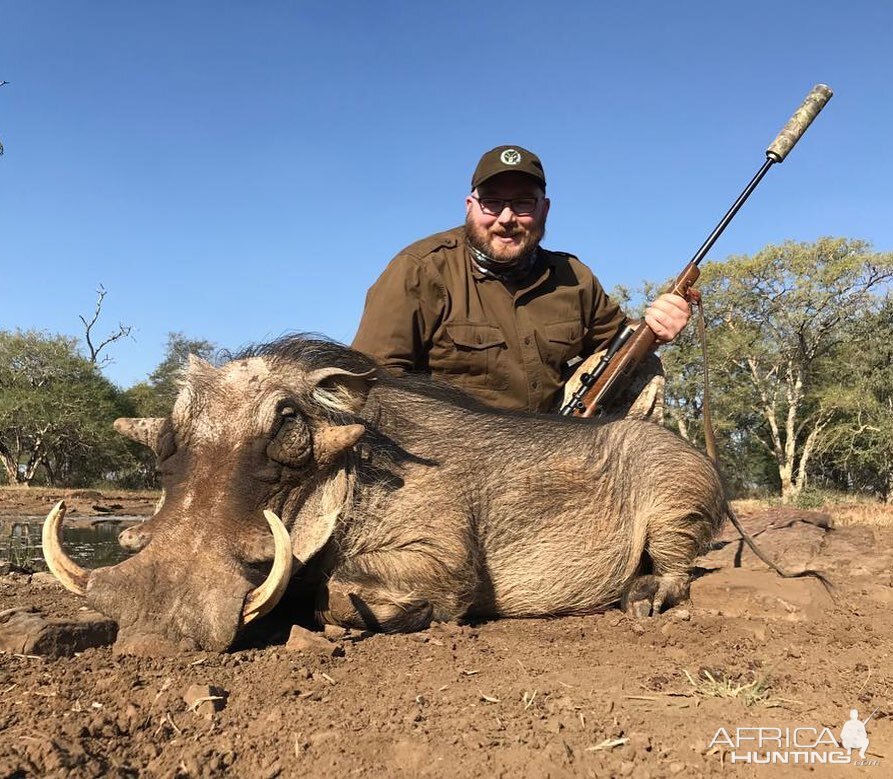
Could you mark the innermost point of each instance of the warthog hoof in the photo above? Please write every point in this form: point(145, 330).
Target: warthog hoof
point(366, 609)
point(647, 595)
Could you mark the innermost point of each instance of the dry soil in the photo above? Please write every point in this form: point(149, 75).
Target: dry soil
point(601, 695)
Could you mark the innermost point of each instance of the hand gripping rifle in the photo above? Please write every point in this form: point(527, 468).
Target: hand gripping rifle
point(632, 345)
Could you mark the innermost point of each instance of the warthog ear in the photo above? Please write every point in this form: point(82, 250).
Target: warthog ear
point(308, 539)
point(143, 430)
point(341, 390)
point(330, 441)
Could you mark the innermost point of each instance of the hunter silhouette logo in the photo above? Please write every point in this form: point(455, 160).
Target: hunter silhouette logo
point(761, 745)
point(511, 157)
point(853, 734)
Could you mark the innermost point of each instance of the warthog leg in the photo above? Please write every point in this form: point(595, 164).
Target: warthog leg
point(371, 606)
point(672, 545)
point(647, 595)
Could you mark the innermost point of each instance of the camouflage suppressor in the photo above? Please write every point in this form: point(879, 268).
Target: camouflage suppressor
point(799, 122)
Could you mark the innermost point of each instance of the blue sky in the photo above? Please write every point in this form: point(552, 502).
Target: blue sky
point(239, 170)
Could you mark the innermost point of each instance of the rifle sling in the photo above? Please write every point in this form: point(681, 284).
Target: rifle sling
point(709, 437)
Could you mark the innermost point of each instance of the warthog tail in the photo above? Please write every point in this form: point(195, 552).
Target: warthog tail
point(749, 540)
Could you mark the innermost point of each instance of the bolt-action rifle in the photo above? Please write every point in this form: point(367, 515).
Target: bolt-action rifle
point(632, 345)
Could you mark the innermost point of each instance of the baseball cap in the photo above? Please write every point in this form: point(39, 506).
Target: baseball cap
point(505, 159)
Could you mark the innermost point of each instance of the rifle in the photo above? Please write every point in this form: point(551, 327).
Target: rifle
point(633, 344)
point(865, 721)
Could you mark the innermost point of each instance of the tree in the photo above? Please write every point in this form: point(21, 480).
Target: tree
point(94, 350)
point(858, 452)
point(779, 322)
point(56, 411)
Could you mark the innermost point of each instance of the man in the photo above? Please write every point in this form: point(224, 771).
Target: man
point(486, 308)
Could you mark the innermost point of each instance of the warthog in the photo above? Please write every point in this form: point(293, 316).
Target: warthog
point(405, 502)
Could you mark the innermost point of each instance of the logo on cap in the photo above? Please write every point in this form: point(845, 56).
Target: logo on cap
point(510, 157)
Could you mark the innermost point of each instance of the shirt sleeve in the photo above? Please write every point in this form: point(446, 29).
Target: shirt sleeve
point(606, 319)
point(403, 307)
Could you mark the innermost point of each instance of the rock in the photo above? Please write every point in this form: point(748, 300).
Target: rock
point(25, 631)
point(103, 509)
point(303, 640)
point(334, 632)
point(750, 593)
point(681, 615)
point(792, 537)
point(5, 567)
point(205, 699)
point(44, 579)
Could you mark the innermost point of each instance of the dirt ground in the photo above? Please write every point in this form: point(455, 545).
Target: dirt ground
point(598, 696)
point(37, 502)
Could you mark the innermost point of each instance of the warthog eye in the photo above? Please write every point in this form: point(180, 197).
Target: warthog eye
point(291, 444)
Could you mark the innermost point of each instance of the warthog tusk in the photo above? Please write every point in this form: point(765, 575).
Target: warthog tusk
point(67, 571)
point(261, 600)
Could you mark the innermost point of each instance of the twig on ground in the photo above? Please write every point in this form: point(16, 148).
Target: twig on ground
point(608, 743)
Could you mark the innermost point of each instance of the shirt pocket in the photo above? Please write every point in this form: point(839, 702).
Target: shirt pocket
point(479, 354)
point(560, 342)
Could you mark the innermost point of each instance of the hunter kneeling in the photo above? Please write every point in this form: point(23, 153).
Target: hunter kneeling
point(485, 308)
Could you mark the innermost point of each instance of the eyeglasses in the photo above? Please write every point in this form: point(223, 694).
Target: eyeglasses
point(494, 206)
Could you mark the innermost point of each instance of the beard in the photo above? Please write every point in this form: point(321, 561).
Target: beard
point(483, 240)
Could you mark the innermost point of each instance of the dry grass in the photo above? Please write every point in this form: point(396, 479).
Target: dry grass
point(861, 513)
point(708, 686)
point(844, 509)
point(751, 505)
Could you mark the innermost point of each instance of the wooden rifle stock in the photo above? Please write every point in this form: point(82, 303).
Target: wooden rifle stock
point(602, 387)
point(627, 351)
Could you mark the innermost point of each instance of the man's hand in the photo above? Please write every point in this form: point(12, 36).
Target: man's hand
point(667, 316)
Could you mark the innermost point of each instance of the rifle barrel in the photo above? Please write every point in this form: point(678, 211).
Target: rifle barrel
point(730, 214)
point(791, 133)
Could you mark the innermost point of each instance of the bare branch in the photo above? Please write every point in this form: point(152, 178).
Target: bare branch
point(123, 331)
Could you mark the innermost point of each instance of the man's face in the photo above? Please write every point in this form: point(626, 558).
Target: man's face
point(506, 236)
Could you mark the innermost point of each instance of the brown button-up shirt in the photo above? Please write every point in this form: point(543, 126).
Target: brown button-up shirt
point(433, 311)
